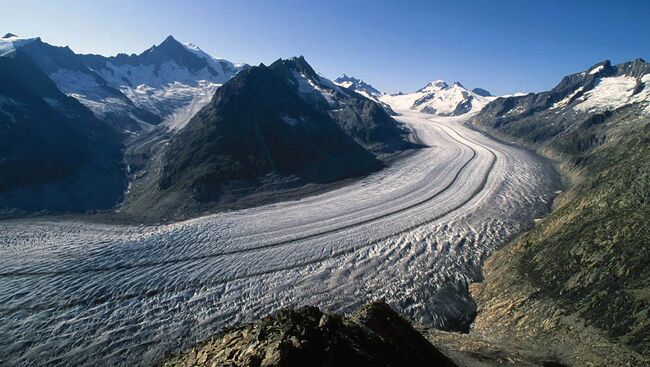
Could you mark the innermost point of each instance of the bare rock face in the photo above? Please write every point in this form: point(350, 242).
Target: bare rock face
point(374, 336)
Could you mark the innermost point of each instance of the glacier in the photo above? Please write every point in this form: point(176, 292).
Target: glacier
point(79, 292)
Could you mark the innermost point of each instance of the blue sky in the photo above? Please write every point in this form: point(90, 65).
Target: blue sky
point(503, 46)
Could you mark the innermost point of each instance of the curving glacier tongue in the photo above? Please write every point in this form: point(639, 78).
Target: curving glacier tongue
point(414, 234)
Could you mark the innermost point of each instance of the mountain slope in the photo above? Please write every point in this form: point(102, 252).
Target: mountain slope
point(581, 274)
point(54, 154)
point(268, 130)
point(374, 336)
point(360, 118)
point(441, 99)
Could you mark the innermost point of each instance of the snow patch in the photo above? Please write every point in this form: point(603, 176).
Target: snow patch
point(567, 99)
point(596, 70)
point(612, 93)
point(223, 67)
point(183, 115)
point(161, 91)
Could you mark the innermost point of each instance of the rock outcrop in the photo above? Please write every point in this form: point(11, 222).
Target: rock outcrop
point(375, 336)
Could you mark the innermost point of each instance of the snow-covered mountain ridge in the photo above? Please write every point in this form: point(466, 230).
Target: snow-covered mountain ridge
point(601, 89)
point(132, 91)
point(437, 97)
point(442, 99)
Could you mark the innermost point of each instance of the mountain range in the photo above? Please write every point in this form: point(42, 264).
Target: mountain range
point(132, 91)
point(268, 130)
point(173, 133)
point(437, 97)
point(306, 130)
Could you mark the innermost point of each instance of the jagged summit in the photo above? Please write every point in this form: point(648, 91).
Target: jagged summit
point(374, 336)
point(434, 85)
point(9, 35)
point(357, 85)
point(296, 62)
point(170, 46)
point(170, 38)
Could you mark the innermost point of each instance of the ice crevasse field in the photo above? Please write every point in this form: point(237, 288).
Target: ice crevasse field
point(413, 234)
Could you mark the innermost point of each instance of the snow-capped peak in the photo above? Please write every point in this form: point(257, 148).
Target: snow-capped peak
point(440, 98)
point(434, 86)
point(222, 66)
point(10, 42)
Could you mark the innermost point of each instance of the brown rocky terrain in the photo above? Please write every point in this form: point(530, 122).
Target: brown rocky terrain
point(374, 336)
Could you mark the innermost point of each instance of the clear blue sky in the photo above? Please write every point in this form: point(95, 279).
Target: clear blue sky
point(503, 46)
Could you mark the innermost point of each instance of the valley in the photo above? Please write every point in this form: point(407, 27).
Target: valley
point(169, 207)
point(414, 234)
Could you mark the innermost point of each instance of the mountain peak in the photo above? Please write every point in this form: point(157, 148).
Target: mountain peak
point(481, 92)
point(438, 84)
point(170, 43)
point(435, 85)
point(357, 84)
point(9, 35)
point(299, 60)
point(296, 63)
point(170, 38)
point(599, 67)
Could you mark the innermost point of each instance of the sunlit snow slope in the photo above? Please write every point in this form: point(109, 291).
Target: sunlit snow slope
point(414, 233)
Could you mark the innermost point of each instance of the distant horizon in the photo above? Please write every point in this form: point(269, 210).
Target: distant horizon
point(394, 48)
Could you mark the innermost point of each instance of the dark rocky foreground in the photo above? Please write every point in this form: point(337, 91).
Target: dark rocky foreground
point(374, 336)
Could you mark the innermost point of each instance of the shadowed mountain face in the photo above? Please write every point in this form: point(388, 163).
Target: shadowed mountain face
point(270, 129)
point(54, 154)
point(363, 119)
point(374, 336)
point(256, 125)
point(482, 92)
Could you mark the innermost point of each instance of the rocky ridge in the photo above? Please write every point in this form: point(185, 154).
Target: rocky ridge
point(580, 275)
point(374, 336)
